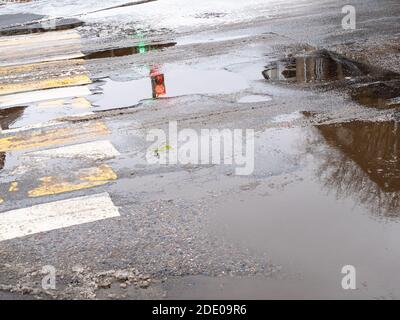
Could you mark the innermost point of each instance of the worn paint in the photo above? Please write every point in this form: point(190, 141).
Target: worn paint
point(43, 95)
point(82, 103)
point(43, 138)
point(42, 66)
point(96, 150)
point(56, 215)
point(13, 187)
point(87, 178)
point(44, 84)
point(37, 48)
point(77, 103)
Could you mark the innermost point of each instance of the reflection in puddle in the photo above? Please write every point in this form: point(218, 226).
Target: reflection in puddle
point(2, 160)
point(120, 52)
point(157, 83)
point(179, 81)
point(384, 95)
point(369, 86)
point(375, 148)
point(317, 66)
point(7, 118)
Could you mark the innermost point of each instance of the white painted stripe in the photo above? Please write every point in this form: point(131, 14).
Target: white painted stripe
point(96, 150)
point(25, 39)
point(45, 125)
point(74, 55)
point(51, 46)
point(56, 215)
point(43, 95)
point(40, 125)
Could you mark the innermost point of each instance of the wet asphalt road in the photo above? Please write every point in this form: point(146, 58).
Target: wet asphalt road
point(200, 231)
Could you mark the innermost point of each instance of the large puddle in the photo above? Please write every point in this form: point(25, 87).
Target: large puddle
point(369, 166)
point(165, 82)
point(367, 85)
point(340, 195)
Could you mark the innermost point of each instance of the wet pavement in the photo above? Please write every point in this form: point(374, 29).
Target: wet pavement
point(77, 193)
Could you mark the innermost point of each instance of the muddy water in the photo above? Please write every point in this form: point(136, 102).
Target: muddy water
point(10, 116)
point(375, 148)
point(120, 52)
point(336, 203)
point(7, 118)
point(316, 66)
point(367, 85)
point(382, 95)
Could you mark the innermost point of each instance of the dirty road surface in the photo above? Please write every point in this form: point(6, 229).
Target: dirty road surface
point(83, 83)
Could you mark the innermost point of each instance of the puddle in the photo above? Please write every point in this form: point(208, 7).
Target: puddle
point(382, 95)
point(317, 66)
point(254, 99)
point(10, 116)
point(120, 52)
point(342, 197)
point(367, 85)
point(7, 118)
point(373, 146)
point(177, 81)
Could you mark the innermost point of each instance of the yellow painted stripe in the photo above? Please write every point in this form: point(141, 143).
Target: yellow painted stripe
point(42, 65)
point(44, 84)
point(81, 103)
point(50, 104)
point(40, 58)
point(13, 187)
point(43, 138)
point(78, 103)
point(87, 178)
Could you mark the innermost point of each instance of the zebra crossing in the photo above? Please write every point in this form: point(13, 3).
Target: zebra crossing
point(45, 75)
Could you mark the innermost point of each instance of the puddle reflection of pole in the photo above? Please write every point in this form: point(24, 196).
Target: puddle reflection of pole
point(7, 117)
point(157, 83)
point(2, 160)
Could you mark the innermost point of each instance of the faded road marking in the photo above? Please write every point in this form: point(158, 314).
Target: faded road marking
point(43, 95)
point(44, 47)
point(86, 178)
point(56, 215)
point(96, 150)
point(77, 103)
point(77, 64)
point(40, 138)
point(6, 89)
point(13, 187)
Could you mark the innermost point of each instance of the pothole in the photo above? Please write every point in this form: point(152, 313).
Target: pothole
point(367, 85)
point(167, 82)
